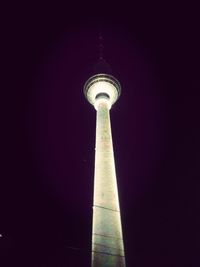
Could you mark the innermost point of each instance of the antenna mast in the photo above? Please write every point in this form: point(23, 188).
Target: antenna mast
point(100, 45)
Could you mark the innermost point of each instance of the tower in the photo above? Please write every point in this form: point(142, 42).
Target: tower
point(102, 91)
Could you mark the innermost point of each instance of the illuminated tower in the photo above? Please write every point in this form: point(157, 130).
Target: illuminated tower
point(102, 91)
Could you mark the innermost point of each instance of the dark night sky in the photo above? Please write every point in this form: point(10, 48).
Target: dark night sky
point(49, 131)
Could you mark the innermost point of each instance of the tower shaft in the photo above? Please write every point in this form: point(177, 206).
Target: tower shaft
point(107, 240)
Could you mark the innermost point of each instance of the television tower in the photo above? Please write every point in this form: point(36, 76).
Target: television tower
point(102, 90)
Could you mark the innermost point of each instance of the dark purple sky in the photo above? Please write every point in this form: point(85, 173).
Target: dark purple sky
point(49, 131)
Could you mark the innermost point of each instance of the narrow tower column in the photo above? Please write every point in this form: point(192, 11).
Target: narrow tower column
point(102, 91)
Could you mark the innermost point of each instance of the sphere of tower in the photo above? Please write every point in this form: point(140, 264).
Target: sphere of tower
point(102, 86)
point(102, 66)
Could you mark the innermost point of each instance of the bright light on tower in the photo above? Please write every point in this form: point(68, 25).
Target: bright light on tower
point(102, 86)
point(102, 91)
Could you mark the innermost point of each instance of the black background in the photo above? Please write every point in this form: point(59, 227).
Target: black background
point(49, 50)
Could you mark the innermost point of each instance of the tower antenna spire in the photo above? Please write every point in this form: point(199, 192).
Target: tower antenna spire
point(100, 45)
point(101, 65)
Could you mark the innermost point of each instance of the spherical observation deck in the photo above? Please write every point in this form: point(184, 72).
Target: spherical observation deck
point(102, 86)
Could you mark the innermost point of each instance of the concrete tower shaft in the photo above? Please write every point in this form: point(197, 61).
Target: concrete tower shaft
point(107, 241)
